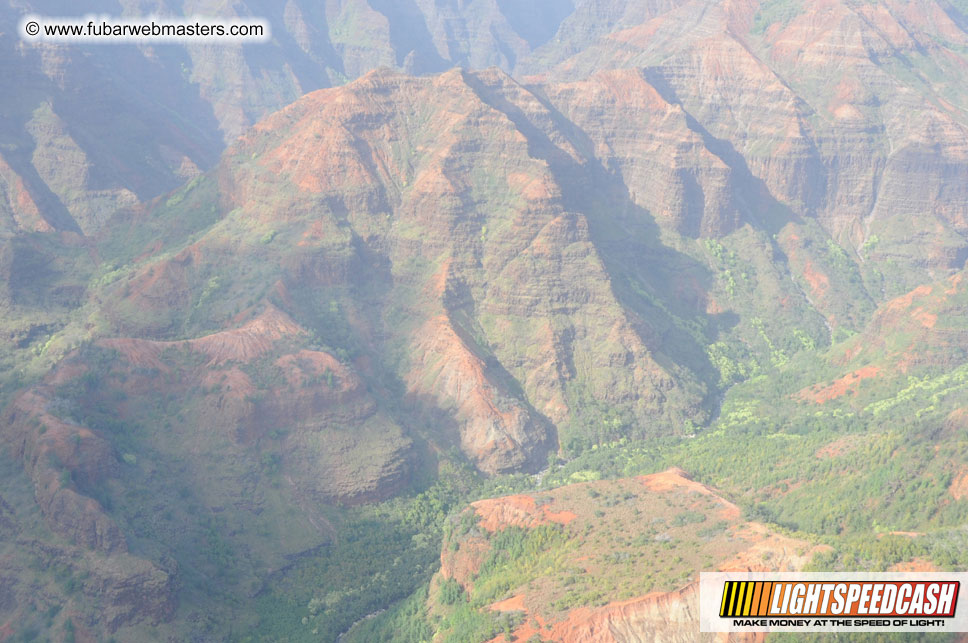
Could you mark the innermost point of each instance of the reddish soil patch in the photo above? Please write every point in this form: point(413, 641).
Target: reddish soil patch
point(840, 387)
point(305, 364)
point(243, 344)
point(560, 517)
point(281, 291)
point(956, 422)
point(914, 565)
point(138, 352)
point(312, 234)
point(65, 372)
point(783, 487)
point(159, 286)
point(675, 479)
point(530, 187)
point(446, 369)
point(905, 300)
point(438, 283)
point(713, 307)
point(513, 604)
point(26, 214)
point(847, 112)
point(955, 282)
point(958, 418)
point(959, 486)
point(837, 448)
point(520, 511)
point(463, 565)
point(926, 319)
point(819, 282)
point(664, 615)
point(248, 342)
point(533, 626)
point(769, 551)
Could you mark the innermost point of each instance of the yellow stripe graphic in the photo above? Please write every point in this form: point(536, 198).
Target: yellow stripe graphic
point(746, 598)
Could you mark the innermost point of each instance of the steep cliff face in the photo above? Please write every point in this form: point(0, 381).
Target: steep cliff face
point(584, 574)
point(72, 155)
point(334, 443)
point(480, 229)
point(797, 130)
point(60, 457)
point(384, 275)
point(507, 321)
point(503, 252)
point(810, 109)
point(499, 431)
point(667, 167)
point(78, 155)
point(40, 569)
point(712, 120)
point(917, 336)
point(271, 429)
point(668, 616)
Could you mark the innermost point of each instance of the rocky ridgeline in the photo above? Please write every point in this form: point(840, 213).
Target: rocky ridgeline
point(511, 266)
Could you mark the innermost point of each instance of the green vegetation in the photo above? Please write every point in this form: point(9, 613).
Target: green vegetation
point(833, 473)
point(516, 556)
point(774, 12)
point(405, 622)
point(749, 360)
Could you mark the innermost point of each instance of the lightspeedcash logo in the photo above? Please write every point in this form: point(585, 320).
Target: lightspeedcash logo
point(863, 598)
point(825, 602)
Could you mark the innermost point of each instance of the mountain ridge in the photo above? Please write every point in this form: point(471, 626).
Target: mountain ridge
point(264, 399)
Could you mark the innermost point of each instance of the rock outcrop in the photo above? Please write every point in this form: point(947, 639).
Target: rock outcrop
point(659, 508)
point(61, 457)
